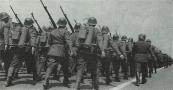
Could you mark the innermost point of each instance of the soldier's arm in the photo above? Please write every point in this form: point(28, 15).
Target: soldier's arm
point(115, 47)
point(23, 37)
point(33, 37)
point(68, 38)
point(6, 33)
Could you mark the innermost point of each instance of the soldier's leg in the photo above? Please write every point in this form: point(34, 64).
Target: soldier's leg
point(116, 65)
point(150, 66)
point(80, 69)
point(64, 65)
point(92, 61)
point(155, 66)
point(106, 68)
point(125, 68)
point(40, 64)
point(132, 66)
point(14, 64)
point(144, 72)
point(51, 64)
point(138, 71)
point(28, 63)
point(7, 60)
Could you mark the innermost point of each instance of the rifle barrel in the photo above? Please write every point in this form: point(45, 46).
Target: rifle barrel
point(50, 17)
point(36, 22)
point(17, 18)
point(68, 21)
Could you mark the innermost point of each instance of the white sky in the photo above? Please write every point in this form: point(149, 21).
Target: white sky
point(153, 17)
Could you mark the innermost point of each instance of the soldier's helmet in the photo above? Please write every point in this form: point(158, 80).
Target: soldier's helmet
point(28, 21)
point(130, 39)
point(148, 40)
point(141, 37)
point(124, 37)
point(116, 37)
point(62, 22)
point(105, 29)
point(3, 15)
point(77, 26)
point(92, 21)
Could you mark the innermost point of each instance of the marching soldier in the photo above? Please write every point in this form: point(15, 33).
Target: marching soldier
point(141, 50)
point(25, 39)
point(31, 43)
point(74, 38)
point(6, 25)
point(117, 55)
point(152, 60)
point(87, 52)
point(42, 49)
point(105, 49)
point(58, 40)
point(130, 58)
point(16, 51)
point(123, 50)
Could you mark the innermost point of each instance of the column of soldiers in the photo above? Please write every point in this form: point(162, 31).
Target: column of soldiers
point(78, 53)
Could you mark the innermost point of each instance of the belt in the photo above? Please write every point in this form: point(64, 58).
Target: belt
point(57, 43)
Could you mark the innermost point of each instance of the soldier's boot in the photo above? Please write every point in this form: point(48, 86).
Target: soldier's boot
point(108, 80)
point(94, 83)
point(78, 78)
point(56, 74)
point(16, 76)
point(66, 82)
point(150, 75)
point(9, 82)
point(144, 80)
point(49, 70)
point(82, 80)
point(45, 85)
point(117, 79)
point(125, 77)
point(137, 78)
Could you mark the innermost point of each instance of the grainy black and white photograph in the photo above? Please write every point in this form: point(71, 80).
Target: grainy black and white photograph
point(86, 44)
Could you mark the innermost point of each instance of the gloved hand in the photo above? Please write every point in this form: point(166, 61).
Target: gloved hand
point(33, 50)
point(6, 47)
point(103, 54)
point(122, 56)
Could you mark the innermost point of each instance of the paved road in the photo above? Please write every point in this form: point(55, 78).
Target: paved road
point(163, 80)
point(25, 83)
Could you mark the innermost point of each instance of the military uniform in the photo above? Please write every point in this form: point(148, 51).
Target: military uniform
point(141, 51)
point(58, 40)
point(23, 39)
point(124, 62)
point(152, 59)
point(87, 52)
point(130, 57)
point(6, 25)
point(74, 37)
point(105, 59)
point(116, 59)
point(41, 54)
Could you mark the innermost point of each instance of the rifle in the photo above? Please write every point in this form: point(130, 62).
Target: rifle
point(50, 17)
point(65, 15)
point(75, 21)
point(40, 30)
point(17, 18)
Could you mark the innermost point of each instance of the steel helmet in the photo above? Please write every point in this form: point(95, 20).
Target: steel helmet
point(28, 21)
point(142, 37)
point(3, 15)
point(62, 22)
point(92, 21)
point(105, 29)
